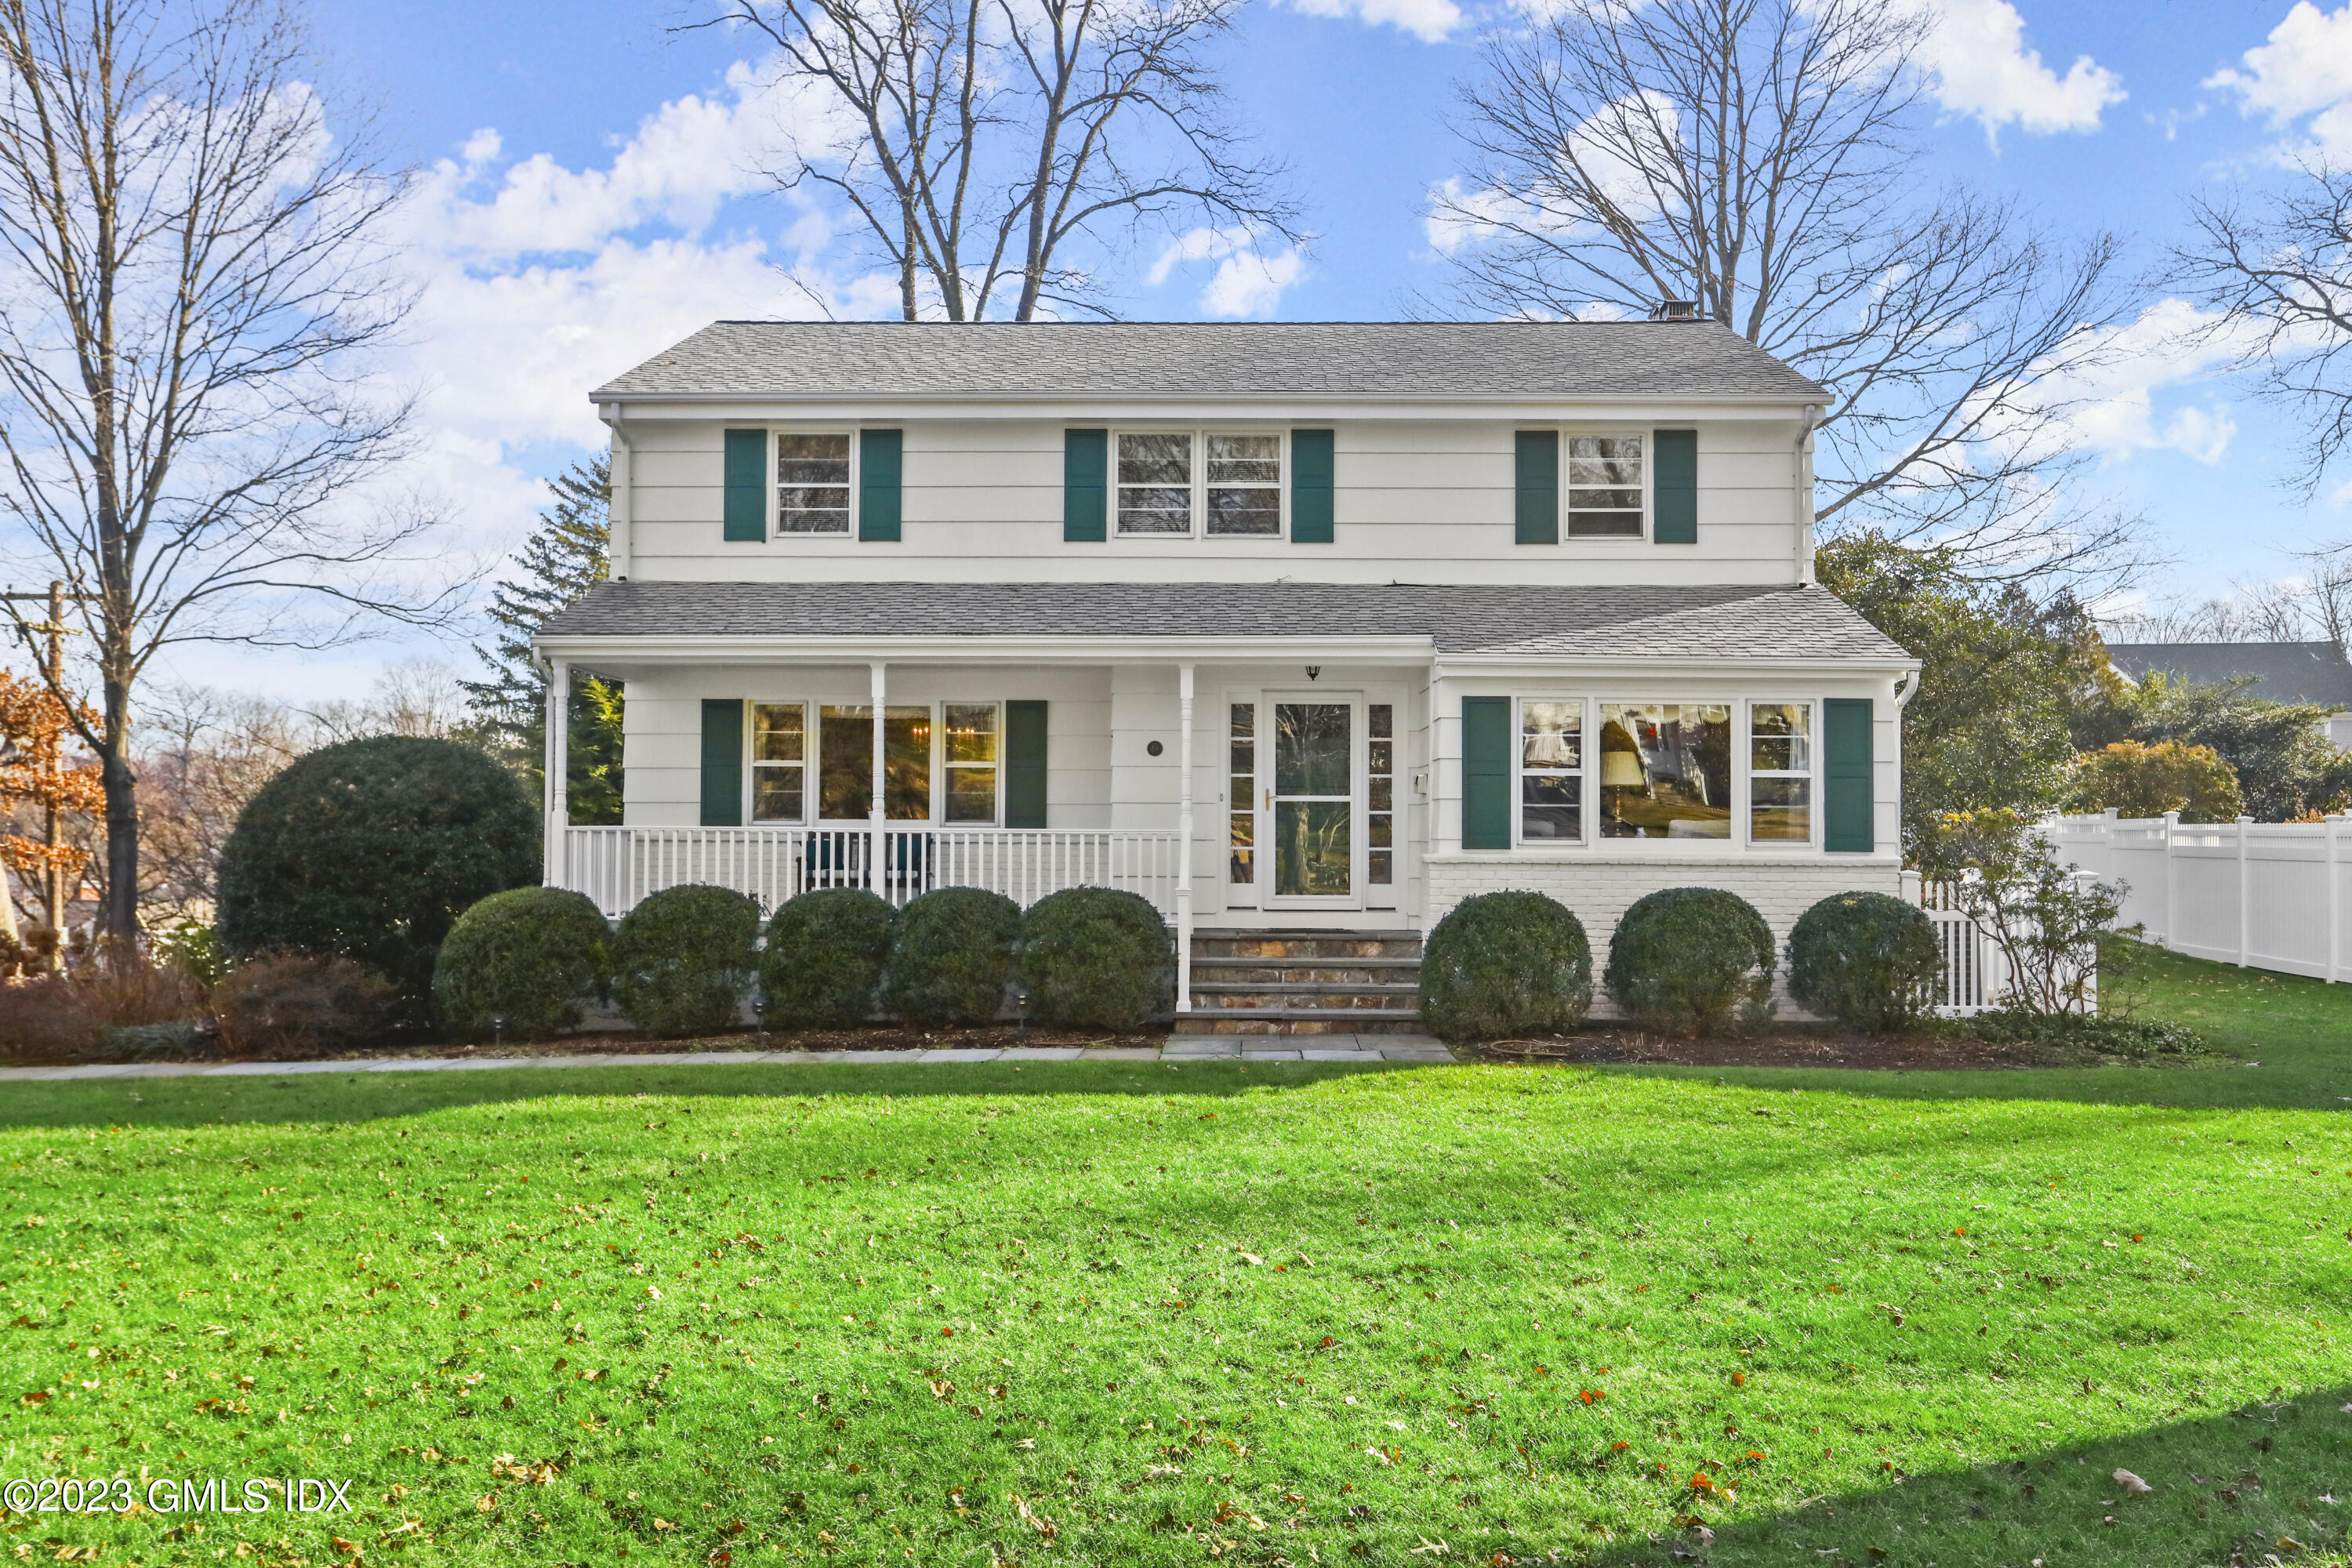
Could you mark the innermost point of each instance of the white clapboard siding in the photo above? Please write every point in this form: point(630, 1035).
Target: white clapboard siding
point(1425, 500)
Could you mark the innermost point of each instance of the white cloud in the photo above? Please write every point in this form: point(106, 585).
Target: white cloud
point(2304, 69)
point(1984, 70)
point(1431, 21)
point(2111, 403)
point(1248, 282)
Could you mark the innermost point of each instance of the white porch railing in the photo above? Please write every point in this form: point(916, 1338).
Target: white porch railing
point(617, 867)
point(2262, 895)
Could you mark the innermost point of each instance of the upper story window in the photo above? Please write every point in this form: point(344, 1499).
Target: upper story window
point(1605, 490)
point(813, 481)
point(1220, 484)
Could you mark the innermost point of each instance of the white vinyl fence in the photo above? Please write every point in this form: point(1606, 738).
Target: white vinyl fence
point(2262, 895)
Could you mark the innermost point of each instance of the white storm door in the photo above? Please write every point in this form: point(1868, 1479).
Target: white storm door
point(1310, 848)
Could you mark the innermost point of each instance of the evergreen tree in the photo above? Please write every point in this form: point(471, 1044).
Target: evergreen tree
point(566, 556)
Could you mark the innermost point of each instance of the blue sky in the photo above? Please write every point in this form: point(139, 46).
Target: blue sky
point(590, 197)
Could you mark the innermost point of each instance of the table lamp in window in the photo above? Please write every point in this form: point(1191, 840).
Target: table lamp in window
point(1621, 767)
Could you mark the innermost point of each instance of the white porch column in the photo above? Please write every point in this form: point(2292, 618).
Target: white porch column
point(874, 875)
point(558, 801)
point(1184, 838)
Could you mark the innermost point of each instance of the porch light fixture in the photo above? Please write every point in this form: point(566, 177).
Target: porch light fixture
point(1314, 671)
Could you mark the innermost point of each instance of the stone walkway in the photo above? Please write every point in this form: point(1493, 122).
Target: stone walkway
point(1179, 1048)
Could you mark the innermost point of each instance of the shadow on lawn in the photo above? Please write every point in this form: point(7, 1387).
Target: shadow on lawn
point(2230, 1488)
point(381, 1093)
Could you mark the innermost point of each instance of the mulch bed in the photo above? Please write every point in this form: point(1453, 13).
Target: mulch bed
point(1781, 1047)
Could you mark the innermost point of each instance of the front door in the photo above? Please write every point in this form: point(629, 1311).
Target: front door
point(1312, 854)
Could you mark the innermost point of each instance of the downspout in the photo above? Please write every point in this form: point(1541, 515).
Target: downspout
point(619, 513)
point(1802, 485)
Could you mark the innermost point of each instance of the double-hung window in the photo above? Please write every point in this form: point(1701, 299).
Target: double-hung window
point(1214, 484)
point(814, 483)
point(1605, 490)
point(1551, 771)
point(971, 761)
point(1780, 772)
point(779, 762)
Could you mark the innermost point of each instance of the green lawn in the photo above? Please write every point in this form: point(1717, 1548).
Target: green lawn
point(1136, 1312)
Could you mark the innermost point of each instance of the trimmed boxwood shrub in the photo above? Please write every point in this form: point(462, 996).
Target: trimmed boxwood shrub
point(531, 953)
point(952, 956)
point(1865, 960)
point(370, 849)
point(1692, 961)
point(1097, 958)
point(682, 960)
point(1506, 964)
point(825, 955)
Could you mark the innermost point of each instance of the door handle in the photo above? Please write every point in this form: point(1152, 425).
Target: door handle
point(1269, 797)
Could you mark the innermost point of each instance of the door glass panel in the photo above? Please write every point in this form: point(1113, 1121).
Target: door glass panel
point(845, 762)
point(1310, 749)
point(1380, 795)
point(1314, 800)
point(1313, 855)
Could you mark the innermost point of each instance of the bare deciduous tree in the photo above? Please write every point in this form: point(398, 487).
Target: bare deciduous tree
point(2315, 605)
point(1757, 157)
point(983, 144)
point(189, 291)
point(2278, 272)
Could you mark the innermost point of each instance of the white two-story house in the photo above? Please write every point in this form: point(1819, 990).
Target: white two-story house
point(1318, 627)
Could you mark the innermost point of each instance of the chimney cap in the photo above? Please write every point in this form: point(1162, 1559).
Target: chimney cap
point(1675, 310)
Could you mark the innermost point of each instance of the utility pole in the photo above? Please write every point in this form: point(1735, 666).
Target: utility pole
point(56, 628)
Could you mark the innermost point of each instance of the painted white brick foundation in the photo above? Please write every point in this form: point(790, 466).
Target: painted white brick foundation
point(1600, 889)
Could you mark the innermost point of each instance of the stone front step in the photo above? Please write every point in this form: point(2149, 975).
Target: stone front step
point(1302, 982)
point(1295, 1021)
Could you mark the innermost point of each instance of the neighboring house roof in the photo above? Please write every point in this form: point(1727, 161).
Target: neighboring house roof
point(1193, 359)
point(1616, 622)
point(2281, 672)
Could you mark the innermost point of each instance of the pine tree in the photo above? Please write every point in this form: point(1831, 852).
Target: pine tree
point(565, 557)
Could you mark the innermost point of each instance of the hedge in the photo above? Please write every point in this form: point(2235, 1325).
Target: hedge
point(1866, 960)
point(682, 960)
point(1692, 961)
point(823, 962)
point(952, 956)
point(1097, 958)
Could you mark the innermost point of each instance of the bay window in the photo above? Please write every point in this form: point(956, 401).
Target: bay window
point(1664, 770)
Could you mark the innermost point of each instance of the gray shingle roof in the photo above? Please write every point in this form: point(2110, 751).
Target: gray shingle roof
point(1726, 622)
point(2281, 672)
point(1180, 359)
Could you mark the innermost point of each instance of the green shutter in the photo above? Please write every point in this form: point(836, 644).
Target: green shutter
point(1539, 487)
point(1310, 487)
point(1674, 485)
point(722, 763)
point(1485, 772)
point(878, 465)
point(747, 486)
point(1085, 484)
point(1848, 812)
point(1024, 764)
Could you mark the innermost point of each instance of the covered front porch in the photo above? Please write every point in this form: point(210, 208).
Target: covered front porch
point(1236, 792)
